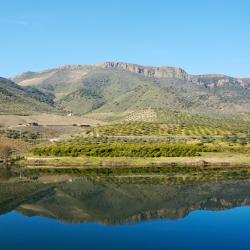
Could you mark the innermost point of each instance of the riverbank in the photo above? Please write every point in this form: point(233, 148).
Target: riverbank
point(206, 159)
point(139, 170)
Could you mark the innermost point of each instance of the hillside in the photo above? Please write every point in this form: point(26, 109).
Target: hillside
point(15, 99)
point(121, 87)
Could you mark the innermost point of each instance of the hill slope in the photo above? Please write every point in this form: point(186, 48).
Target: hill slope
point(15, 99)
point(120, 87)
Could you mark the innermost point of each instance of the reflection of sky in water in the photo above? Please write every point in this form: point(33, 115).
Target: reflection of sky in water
point(199, 230)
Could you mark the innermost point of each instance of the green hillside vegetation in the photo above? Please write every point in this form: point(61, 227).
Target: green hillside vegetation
point(81, 89)
point(17, 100)
point(23, 135)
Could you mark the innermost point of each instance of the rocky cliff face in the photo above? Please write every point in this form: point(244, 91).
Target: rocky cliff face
point(245, 82)
point(155, 72)
point(210, 81)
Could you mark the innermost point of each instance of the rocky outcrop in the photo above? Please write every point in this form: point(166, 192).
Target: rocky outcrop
point(213, 80)
point(155, 72)
point(245, 82)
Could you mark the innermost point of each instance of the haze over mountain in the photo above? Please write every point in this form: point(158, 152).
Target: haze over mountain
point(120, 87)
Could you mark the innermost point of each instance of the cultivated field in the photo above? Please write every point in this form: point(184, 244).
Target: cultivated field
point(46, 119)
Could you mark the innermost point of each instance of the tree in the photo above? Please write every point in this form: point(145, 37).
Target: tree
point(5, 153)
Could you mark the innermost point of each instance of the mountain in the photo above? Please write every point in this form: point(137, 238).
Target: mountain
point(15, 99)
point(121, 87)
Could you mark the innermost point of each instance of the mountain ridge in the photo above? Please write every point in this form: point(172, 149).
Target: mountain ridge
point(119, 87)
point(148, 71)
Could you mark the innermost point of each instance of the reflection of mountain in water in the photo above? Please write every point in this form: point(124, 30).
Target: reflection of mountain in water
point(83, 200)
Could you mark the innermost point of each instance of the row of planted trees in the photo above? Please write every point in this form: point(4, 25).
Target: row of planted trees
point(120, 150)
point(133, 150)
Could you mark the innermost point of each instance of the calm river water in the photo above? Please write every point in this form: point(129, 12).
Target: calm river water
point(78, 213)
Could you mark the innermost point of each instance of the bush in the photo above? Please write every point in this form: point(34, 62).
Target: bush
point(5, 153)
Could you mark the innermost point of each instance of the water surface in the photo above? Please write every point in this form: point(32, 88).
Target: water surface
point(80, 213)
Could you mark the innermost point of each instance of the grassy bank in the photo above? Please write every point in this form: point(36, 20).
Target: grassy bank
point(206, 159)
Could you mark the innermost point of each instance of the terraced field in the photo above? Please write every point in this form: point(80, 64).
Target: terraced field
point(195, 121)
point(163, 129)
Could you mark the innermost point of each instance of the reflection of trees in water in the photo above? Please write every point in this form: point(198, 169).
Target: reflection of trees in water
point(83, 200)
point(5, 173)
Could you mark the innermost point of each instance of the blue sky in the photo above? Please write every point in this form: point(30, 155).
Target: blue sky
point(200, 36)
